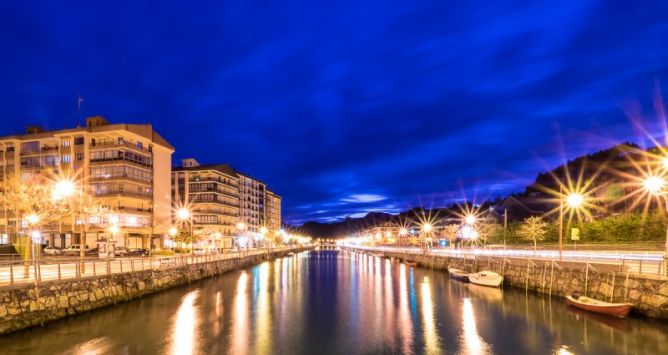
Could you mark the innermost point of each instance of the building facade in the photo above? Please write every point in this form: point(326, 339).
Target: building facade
point(211, 193)
point(272, 210)
point(125, 167)
point(228, 208)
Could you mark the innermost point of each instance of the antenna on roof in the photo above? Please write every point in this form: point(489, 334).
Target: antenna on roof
point(79, 103)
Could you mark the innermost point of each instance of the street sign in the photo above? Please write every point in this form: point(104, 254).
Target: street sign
point(575, 234)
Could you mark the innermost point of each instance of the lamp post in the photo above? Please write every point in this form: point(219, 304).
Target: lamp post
point(241, 227)
point(32, 219)
point(655, 186)
point(184, 215)
point(427, 228)
point(573, 201)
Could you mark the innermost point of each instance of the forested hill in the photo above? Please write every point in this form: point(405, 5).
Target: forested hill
point(601, 166)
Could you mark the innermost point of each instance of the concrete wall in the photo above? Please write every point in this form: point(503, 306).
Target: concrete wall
point(648, 293)
point(26, 305)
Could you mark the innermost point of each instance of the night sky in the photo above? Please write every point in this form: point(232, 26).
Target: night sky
point(351, 106)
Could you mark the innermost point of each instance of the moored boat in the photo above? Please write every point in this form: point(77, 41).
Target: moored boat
point(458, 274)
point(593, 305)
point(411, 263)
point(486, 278)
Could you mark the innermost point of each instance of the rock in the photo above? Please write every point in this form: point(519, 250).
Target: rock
point(62, 301)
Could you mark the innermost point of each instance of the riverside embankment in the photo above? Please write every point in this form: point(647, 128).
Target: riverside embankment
point(26, 305)
point(613, 283)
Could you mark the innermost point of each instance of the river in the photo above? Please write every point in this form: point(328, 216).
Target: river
point(334, 302)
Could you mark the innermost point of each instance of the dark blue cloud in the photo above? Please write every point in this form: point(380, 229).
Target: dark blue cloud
point(345, 107)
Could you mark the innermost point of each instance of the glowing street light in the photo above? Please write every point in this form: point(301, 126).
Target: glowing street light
point(654, 185)
point(63, 189)
point(427, 227)
point(183, 213)
point(241, 226)
point(114, 230)
point(264, 230)
point(33, 219)
point(574, 200)
point(173, 231)
point(403, 232)
point(470, 219)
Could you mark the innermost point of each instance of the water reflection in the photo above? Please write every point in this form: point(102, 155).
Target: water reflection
point(405, 323)
point(473, 343)
point(239, 339)
point(431, 338)
point(340, 303)
point(184, 340)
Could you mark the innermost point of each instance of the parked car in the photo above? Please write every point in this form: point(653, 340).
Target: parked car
point(51, 251)
point(137, 252)
point(120, 251)
point(74, 249)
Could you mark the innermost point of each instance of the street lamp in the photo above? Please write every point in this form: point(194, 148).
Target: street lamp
point(427, 227)
point(573, 200)
point(184, 215)
point(470, 219)
point(655, 185)
point(63, 189)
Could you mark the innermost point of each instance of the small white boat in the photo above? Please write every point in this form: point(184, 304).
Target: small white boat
point(486, 278)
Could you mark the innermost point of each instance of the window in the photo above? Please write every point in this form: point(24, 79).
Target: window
point(78, 140)
point(29, 147)
point(66, 143)
point(120, 140)
point(67, 158)
point(140, 145)
point(79, 156)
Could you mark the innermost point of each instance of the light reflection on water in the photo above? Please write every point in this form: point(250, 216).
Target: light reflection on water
point(183, 337)
point(340, 303)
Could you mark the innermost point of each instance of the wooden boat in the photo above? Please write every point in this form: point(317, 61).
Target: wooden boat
point(458, 274)
point(486, 278)
point(411, 263)
point(589, 304)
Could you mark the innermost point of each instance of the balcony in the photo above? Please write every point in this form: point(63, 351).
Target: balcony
point(122, 144)
point(119, 193)
point(123, 177)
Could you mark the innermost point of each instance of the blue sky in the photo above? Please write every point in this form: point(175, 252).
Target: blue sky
point(346, 107)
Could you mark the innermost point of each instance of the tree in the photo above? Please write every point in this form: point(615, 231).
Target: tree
point(485, 229)
point(30, 201)
point(533, 228)
point(450, 232)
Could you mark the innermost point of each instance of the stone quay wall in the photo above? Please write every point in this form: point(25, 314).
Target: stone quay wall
point(24, 306)
point(606, 282)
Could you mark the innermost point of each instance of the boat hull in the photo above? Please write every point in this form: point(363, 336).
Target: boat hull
point(486, 279)
point(459, 275)
point(620, 310)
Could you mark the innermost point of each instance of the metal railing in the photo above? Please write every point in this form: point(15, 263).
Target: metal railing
point(16, 271)
point(633, 262)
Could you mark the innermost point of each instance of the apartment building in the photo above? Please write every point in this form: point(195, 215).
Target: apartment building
point(251, 208)
point(211, 192)
point(221, 199)
point(272, 210)
point(126, 167)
